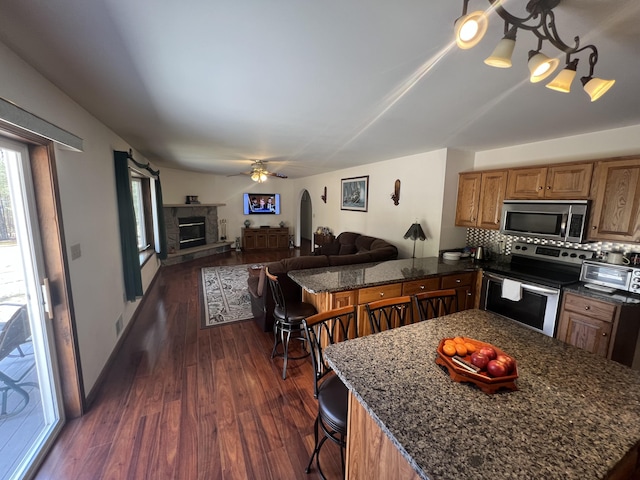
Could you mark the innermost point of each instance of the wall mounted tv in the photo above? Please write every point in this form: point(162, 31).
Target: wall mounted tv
point(261, 203)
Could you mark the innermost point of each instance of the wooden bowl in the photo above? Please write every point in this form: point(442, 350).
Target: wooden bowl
point(482, 380)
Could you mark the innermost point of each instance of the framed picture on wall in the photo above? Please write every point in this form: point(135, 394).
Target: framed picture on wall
point(355, 193)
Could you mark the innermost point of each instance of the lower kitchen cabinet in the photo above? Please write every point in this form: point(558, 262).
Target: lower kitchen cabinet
point(605, 328)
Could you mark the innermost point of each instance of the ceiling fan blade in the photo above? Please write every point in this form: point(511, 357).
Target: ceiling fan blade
point(279, 175)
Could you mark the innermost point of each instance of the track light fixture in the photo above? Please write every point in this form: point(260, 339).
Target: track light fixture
point(470, 28)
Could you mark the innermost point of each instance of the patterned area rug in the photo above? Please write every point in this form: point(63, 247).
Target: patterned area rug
point(226, 298)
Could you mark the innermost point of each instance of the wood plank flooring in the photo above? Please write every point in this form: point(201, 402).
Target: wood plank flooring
point(182, 402)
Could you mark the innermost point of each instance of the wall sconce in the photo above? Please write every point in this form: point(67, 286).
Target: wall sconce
point(324, 196)
point(395, 196)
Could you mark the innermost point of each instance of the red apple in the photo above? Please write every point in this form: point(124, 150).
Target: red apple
point(496, 368)
point(507, 360)
point(489, 352)
point(480, 360)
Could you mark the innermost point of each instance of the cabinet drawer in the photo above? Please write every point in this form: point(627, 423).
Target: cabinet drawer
point(590, 307)
point(371, 294)
point(453, 281)
point(417, 286)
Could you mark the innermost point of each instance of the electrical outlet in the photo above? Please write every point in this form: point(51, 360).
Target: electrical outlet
point(119, 326)
point(75, 251)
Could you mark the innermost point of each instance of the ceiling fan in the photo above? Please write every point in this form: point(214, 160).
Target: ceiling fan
point(259, 172)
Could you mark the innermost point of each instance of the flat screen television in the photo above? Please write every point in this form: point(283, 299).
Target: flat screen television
point(261, 203)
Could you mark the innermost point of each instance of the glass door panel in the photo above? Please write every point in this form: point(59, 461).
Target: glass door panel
point(30, 409)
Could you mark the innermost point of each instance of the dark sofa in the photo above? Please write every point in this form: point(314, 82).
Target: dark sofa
point(348, 248)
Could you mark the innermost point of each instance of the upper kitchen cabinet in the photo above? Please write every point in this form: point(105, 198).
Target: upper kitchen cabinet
point(616, 207)
point(480, 197)
point(564, 181)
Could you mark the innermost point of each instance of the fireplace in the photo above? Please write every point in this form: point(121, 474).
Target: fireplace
point(192, 232)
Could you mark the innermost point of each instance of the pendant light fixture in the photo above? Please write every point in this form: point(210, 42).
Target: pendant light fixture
point(540, 21)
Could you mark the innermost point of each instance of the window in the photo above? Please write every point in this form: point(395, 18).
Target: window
point(142, 207)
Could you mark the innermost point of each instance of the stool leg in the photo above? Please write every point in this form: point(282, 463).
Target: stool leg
point(286, 354)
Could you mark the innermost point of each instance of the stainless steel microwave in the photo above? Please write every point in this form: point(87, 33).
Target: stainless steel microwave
point(549, 219)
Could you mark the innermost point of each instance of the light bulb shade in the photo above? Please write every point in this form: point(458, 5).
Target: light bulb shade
point(541, 66)
point(415, 232)
point(263, 177)
point(469, 29)
point(501, 56)
point(255, 176)
point(562, 82)
point(596, 87)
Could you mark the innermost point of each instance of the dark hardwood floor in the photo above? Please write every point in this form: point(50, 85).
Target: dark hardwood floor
point(180, 402)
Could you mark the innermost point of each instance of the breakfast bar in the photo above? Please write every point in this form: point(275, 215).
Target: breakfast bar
point(574, 415)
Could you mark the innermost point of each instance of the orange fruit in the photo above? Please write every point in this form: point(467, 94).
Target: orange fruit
point(461, 349)
point(449, 349)
point(448, 341)
point(458, 340)
point(470, 347)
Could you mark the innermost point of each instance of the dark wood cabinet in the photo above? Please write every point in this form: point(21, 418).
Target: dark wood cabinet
point(265, 238)
point(320, 239)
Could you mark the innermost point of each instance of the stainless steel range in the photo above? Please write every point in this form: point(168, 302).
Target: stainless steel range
point(528, 288)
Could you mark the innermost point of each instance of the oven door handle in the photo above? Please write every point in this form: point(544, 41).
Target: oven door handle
point(532, 288)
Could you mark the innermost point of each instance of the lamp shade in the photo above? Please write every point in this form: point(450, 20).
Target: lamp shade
point(540, 66)
point(596, 87)
point(415, 232)
point(562, 82)
point(469, 29)
point(501, 56)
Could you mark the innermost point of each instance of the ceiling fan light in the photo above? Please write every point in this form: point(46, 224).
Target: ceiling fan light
point(255, 176)
point(562, 82)
point(501, 56)
point(469, 29)
point(263, 177)
point(596, 87)
point(540, 66)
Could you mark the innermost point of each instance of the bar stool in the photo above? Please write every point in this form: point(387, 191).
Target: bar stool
point(288, 318)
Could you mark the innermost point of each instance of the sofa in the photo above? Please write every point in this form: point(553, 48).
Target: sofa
point(348, 248)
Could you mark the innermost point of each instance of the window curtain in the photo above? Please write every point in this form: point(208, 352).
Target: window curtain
point(128, 242)
point(161, 226)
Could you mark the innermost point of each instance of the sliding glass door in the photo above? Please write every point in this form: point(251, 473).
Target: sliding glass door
point(30, 407)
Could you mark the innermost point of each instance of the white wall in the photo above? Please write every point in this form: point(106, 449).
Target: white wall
point(422, 178)
point(589, 146)
point(89, 211)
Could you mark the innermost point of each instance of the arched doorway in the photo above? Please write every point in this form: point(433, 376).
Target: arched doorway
point(306, 220)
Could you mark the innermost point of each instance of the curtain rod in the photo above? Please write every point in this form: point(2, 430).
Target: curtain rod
point(147, 167)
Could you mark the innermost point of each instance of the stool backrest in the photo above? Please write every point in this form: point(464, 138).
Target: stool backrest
point(436, 303)
point(390, 313)
point(324, 329)
point(276, 291)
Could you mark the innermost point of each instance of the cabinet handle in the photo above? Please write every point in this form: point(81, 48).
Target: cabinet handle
point(421, 287)
point(382, 294)
point(587, 307)
point(540, 187)
point(604, 334)
point(594, 227)
point(548, 187)
point(458, 280)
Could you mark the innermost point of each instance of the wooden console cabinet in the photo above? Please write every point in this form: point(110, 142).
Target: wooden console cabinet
point(265, 238)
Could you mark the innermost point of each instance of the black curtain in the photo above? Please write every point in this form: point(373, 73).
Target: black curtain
point(128, 237)
point(161, 227)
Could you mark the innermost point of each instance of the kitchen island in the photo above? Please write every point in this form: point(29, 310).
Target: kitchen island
point(574, 415)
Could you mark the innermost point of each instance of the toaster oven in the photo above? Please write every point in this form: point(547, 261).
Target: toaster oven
point(611, 277)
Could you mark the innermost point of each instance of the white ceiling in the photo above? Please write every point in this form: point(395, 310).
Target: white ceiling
point(208, 85)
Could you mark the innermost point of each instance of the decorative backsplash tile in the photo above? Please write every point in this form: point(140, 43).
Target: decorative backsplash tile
point(497, 243)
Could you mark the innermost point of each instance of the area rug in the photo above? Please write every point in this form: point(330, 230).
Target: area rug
point(226, 298)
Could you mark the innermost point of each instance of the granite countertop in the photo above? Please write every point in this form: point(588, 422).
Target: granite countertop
point(618, 297)
point(350, 277)
point(574, 415)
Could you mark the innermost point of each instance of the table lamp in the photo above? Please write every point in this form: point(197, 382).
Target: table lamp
point(415, 232)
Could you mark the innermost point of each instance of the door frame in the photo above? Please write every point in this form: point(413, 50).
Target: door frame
point(49, 211)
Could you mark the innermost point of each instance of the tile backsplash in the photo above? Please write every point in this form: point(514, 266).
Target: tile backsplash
point(496, 243)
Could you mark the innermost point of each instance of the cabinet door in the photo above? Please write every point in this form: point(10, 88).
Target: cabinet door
point(468, 199)
point(585, 332)
point(570, 182)
point(261, 240)
point(283, 240)
point(526, 183)
point(465, 298)
point(616, 209)
point(492, 190)
point(249, 240)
